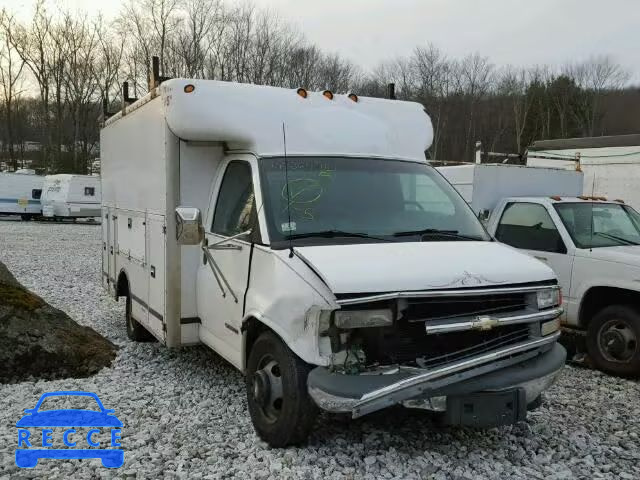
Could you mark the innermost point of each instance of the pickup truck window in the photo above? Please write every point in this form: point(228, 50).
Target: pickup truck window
point(593, 225)
point(235, 201)
point(356, 200)
point(529, 226)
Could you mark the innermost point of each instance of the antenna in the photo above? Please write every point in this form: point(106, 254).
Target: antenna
point(286, 180)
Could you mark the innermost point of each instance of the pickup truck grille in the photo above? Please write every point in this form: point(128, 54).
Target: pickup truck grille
point(407, 343)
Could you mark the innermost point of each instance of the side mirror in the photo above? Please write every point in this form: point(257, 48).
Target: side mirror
point(189, 230)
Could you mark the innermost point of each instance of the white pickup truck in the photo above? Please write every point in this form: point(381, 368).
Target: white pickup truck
point(591, 244)
point(594, 248)
point(332, 265)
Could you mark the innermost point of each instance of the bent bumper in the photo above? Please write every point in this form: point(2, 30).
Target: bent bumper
point(530, 371)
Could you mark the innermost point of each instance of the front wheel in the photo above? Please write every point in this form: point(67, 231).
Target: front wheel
point(276, 379)
point(612, 340)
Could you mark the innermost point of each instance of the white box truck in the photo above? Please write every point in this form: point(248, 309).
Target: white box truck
point(592, 244)
point(20, 194)
point(611, 165)
point(71, 196)
point(303, 237)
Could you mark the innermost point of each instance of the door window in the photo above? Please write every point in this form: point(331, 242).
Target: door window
point(529, 226)
point(236, 201)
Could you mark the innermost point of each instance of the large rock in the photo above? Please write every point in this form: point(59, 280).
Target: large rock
point(41, 341)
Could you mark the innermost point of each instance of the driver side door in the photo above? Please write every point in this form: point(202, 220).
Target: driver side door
point(224, 271)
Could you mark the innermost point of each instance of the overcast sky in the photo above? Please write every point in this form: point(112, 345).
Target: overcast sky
point(517, 32)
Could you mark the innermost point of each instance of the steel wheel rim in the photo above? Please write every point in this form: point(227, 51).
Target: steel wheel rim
point(617, 341)
point(266, 388)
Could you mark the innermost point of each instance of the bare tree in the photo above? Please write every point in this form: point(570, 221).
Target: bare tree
point(11, 78)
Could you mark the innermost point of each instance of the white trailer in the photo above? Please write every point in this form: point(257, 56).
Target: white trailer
point(71, 196)
point(484, 185)
point(611, 165)
point(20, 194)
point(303, 237)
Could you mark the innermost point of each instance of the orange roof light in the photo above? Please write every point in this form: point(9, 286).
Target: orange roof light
point(302, 92)
point(328, 94)
point(619, 200)
point(189, 88)
point(557, 198)
point(353, 97)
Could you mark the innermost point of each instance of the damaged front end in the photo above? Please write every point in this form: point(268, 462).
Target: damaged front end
point(482, 356)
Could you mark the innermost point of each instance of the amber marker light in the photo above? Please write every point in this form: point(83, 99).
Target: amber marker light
point(189, 88)
point(302, 92)
point(328, 94)
point(353, 97)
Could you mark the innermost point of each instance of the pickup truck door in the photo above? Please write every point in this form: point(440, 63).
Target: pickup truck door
point(224, 271)
point(531, 227)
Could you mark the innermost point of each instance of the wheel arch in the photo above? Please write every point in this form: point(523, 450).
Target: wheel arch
point(122, 284)
point(598, 297)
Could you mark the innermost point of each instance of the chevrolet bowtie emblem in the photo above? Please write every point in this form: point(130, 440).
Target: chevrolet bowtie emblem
point(484, 323)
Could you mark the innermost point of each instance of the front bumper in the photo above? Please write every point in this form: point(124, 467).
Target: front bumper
point(530, 367)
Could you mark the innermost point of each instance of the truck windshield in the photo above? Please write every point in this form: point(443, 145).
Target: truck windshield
point(593, 225)
point(356, 200)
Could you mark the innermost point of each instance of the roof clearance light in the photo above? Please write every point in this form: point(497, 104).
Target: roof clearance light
point(619, 200)
point(189, 88)
point(328, 94)
point(302, 92)
point(353, 97)
point(557, 198)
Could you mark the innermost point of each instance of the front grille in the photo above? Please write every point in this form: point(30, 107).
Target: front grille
point(455, 307)
point(407, 343)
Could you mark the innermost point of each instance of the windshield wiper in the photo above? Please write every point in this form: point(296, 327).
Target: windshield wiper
point(334, 234)
point(436, 232)
point(615, 237)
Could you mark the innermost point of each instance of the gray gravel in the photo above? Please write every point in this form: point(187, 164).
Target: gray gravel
point(185, 416)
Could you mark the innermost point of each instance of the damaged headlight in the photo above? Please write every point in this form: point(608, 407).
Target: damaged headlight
point(363, 318)
point(548, 298)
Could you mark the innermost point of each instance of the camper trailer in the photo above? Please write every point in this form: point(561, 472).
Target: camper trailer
point(20, 194)
point(611, 165)
point(303, 237)
point(71, 196)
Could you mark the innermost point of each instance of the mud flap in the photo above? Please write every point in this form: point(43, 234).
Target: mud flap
point(487, 409)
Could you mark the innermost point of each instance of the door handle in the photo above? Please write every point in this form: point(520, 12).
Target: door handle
point(544, 259)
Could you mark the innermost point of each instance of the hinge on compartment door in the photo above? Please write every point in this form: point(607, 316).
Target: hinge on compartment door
point(164, 229)
point(164, 327)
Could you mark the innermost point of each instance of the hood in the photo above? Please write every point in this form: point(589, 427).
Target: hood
point(391, 267)
point(627, 254)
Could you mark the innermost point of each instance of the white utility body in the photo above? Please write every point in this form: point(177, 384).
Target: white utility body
point(592, 246)
point(71, 196)
point(303, 237)
point(611, 165)
point(20, 194)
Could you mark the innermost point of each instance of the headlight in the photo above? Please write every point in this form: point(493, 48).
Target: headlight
point(362, 318)
point(549, 327)
point(548, 298)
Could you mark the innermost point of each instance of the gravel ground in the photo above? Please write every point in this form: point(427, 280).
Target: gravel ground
point(185, 416)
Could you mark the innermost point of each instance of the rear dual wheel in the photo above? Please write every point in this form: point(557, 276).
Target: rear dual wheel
point(281, 409)
point(135, 331)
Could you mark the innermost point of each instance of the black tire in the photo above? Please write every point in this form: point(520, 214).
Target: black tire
point(613, 340)
point(288, 419)
point(25, 217)
point(135, 331)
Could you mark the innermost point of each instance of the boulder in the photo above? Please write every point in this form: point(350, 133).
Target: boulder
point(37, 340)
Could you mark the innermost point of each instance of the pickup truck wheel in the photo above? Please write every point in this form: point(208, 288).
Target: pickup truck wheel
point(135, 331)
point(276, 379)
point(613, 340)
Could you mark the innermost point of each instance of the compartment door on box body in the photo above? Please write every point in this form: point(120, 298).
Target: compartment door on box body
point(131, 258)
point(112, 236)
point(106, 274)
point(156, 271)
